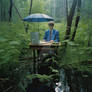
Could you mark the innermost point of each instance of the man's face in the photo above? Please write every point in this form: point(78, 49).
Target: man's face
point(51, 26)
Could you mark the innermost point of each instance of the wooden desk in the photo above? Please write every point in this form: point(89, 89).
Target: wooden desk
point(44, 46)
point(36, 48)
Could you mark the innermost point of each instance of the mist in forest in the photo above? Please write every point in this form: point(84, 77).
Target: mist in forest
point(67, 70)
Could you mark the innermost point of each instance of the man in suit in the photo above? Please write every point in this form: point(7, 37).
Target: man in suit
point(51, 35)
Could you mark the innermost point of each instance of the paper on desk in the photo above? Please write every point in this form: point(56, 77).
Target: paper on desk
point(45, 43)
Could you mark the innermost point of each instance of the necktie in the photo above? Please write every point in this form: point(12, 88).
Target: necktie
point(50, 35)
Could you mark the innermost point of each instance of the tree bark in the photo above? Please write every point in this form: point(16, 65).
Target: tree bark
point(77, 20)
point(30, 10)
point(54, 9)
point(66, 10)
point(10, 10)
point(0, 9)
point(70, 18)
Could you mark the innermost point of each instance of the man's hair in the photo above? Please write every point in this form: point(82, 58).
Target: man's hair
point(51, 23)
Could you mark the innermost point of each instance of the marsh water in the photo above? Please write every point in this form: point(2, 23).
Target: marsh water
point(70, 81)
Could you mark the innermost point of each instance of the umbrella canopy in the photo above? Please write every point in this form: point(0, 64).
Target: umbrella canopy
point(38, 18)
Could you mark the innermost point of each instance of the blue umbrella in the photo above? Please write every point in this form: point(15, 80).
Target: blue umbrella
point(38, 18)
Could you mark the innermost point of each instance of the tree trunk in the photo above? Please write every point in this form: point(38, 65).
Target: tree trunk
point(54, 9)
point(70, 18)
point(30, 10)
point(66, 10)
point(10, 10)
point(0, 10)
point(77, 20)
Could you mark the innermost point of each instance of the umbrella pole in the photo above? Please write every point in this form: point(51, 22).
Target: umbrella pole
point(38, 30)
point(38, 26)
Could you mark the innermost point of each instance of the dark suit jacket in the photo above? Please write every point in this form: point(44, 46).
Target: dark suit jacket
point(54, 35)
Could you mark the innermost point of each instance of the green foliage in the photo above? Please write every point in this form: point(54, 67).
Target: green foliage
point(76, 56)
point(11, 42)
point(84, 33)
point(14, 40)
point(38, 6)
point(42, 78)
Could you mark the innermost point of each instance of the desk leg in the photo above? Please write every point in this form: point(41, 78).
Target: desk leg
point(38, 60)
point(34, 61)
